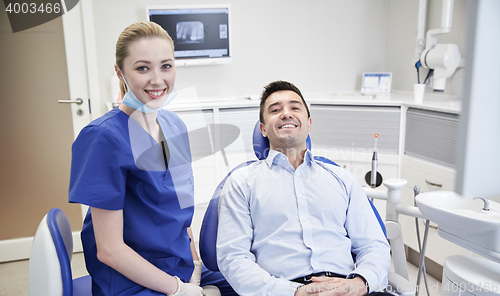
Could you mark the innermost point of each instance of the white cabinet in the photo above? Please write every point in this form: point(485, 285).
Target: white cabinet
point(346, 135)
point(199, 124)
point(204, 162)
point(216, 151)
point(429, 162)
point(353, 127)
point(432, 136)
point(240, 150)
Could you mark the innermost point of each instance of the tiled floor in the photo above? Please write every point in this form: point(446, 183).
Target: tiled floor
point(433, 284)
point(14, 277)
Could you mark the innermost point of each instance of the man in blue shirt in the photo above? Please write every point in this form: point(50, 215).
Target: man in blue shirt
point(290, 225)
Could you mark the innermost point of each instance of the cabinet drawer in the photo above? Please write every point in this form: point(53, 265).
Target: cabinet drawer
point(426, 180)
point(427, 175)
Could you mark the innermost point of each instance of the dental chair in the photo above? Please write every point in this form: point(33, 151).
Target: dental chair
point(398, 285)
point(50, 260)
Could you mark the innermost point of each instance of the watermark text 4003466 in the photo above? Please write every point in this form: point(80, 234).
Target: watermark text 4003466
point(24, 15)
point(17, 7)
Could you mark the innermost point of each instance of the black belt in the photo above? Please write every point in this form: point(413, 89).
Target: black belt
point(307, 279)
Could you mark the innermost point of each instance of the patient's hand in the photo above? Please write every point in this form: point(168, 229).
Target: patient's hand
point(327, 286)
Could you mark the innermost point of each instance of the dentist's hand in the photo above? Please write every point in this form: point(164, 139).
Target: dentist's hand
point(196, 276)
point(187, 289)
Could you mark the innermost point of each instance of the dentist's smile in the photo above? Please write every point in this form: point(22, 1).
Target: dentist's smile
point(155, 94)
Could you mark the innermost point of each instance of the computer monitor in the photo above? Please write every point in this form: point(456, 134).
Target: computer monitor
point(201, 33)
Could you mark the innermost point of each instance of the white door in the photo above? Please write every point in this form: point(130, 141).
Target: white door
point(78, 39)
point(42, 65)
point(77, 68)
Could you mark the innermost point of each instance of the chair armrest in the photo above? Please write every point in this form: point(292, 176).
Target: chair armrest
point(399, 285)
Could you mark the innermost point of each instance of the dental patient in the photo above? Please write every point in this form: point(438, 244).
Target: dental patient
point(291, 225)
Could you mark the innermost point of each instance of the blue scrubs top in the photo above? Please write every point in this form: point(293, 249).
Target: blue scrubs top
point(116, 165)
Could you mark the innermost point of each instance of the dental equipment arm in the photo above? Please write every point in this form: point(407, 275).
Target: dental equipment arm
point(393, 196)
point(442, 58)
point(394, 232)
point(397, 280)
point(393, 209)
point(422, 19)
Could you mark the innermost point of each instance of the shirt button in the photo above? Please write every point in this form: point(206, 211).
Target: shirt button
point(300, 195)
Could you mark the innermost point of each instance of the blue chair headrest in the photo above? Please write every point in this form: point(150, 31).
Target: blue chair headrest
point(261, 143)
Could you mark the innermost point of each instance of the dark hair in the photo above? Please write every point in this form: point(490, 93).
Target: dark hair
point(279, 86)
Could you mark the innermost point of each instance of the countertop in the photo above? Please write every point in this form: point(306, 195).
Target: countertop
point(434, 102)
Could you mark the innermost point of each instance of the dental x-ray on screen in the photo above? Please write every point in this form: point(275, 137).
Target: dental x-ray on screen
point(201, 34)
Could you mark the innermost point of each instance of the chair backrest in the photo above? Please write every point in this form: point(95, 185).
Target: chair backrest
point(208, 232)
point(51, 252)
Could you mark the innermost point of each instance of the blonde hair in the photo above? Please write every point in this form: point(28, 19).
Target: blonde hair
point(133, 33)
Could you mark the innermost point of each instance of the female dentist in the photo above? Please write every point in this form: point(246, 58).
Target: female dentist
point(132, 166)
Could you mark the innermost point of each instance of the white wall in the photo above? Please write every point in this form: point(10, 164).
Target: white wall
point(319, 45)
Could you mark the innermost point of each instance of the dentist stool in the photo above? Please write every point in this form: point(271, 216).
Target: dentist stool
point(50, 260)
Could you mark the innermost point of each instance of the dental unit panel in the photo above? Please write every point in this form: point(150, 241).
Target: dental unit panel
point(475, 225)
point(462, 220)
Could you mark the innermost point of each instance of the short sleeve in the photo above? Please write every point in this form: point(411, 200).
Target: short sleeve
point(98, 172)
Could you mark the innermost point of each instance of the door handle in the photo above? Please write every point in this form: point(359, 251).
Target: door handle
point(77, 101)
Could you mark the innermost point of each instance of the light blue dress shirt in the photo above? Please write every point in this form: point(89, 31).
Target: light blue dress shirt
point(277, 223)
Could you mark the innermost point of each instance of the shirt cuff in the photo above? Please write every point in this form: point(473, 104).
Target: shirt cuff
point(294, 287)
point(353, 275)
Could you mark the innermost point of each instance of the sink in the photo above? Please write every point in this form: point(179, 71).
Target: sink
point(461, 220)
point(449, 209)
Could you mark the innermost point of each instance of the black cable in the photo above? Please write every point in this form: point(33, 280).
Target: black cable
point(429, 74)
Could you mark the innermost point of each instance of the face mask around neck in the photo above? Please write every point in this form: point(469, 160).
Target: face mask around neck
point(133, 102)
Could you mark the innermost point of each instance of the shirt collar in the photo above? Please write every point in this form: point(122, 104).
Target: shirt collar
point(276, 157)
